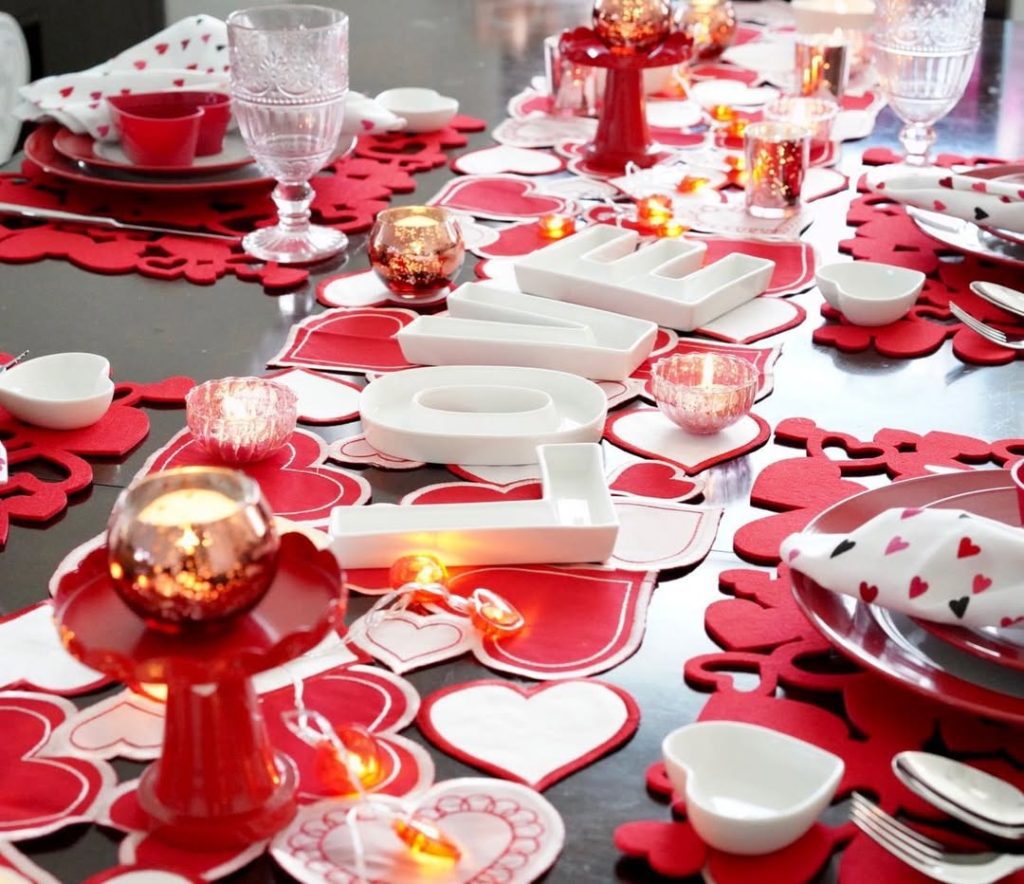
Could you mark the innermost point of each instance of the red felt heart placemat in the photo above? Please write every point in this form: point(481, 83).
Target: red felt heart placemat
point(348, 197)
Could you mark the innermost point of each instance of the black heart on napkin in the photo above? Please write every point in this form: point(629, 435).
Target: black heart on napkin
point(980, 214)
point(844, 546)
point(959, 606)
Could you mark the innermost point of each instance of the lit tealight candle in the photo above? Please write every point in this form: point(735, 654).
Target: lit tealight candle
point(704, 392)
point(776, 158)
point(821, 63)
point(192, 545)
point(416, 250)
point(722, 113)
point(671, 229)
point(425, 840)
point(555, 226)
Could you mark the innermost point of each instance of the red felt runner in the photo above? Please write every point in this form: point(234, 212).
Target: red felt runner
point(795, 683)
point(349, 193)
point(884, 232)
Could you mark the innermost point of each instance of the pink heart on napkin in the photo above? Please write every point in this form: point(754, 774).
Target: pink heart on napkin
point(500, 198)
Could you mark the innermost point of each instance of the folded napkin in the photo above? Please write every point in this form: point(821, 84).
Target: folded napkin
point(990, 203)
point(943, 565)
point(190, 55)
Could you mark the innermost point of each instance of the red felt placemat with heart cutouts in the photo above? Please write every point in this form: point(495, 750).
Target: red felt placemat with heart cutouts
point(348, 196)
point(884, 232)
point(48, 466)
point(776, 670)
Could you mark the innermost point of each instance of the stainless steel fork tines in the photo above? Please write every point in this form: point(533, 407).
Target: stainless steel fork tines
point(990, 333)
point(927, 855)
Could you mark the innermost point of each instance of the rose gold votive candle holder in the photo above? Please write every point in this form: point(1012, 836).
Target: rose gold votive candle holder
point(816, 115)
point(575, 89)
point(191, 546)
point(416, 250)
point(704, 392)
point(776, 159)
point(239, 420)
point(821, 64)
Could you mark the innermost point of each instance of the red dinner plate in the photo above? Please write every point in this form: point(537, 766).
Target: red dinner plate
point(84, 149)
point(39, 148)
point(894, 645)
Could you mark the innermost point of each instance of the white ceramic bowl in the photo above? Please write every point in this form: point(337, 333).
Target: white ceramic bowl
point(63, 391)
point(748, 789)
point(424, 110)
point(869, 293)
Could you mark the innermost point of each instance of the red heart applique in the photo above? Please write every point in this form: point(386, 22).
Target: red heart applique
point(96, 95)
point(184, 44)
point(161, 48)
point(939, 205)
point(980, 187)
point(980, 583)
point(41, 794)
point(1010, 621)
point(946, 182)
point(967, 548)
point(358, 340)
point(897, 544)
point(653, 478)
point(66, 91)
point(500, 197)
point(103, 130)
point(868, 592)
point(917, 587)
point(139, 65)
point(179, 82)
point(366, 124)
point(295, 480)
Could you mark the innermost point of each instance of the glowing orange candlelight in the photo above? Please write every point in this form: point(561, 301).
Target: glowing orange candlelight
point(356, 754)
point(493, 615)
point(722, 113)
point(425, 840)
point(654, 211)
point(555, 226)
point(420, 568)
point(692, 184)
point(629, 26)
point(671, 230)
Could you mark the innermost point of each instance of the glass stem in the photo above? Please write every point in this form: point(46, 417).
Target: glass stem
point(917, 140)
point(292, 201)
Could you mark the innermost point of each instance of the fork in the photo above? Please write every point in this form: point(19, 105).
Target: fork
point(995, 335)
point(927, 856)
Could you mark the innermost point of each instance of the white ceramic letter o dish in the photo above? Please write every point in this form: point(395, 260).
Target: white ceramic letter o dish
point(479, 414)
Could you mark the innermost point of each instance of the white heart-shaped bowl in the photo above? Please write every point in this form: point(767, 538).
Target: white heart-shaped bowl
point(63, 391)
point(869, 293)
point(748, 789)
point(424, 110)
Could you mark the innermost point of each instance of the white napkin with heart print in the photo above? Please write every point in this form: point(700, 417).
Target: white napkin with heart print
point(948, 566)
point(983, 201)
point(190, 55)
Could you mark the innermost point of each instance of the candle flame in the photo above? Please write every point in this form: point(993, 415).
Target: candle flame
point(425, 840)
point(707, 372)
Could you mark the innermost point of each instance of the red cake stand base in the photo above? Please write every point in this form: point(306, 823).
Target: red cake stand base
point(218, 783)
point(622, 136)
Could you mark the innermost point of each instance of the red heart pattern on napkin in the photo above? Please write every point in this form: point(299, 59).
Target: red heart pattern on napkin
point(500, 198)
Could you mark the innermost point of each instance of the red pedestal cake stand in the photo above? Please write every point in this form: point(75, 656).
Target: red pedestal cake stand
point(622, 132)
point(219, 782)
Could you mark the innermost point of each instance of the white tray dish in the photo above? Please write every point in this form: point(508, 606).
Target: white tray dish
point(573, 522)
point(490, 326)
point(664, 282)
point(479, 414)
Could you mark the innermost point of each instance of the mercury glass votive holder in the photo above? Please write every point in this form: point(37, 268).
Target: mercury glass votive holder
point(240, 420)
point(711, 24)
point(191, 546)
point(776, 156)
point(632, 26)
point(822, 64)
point(816, 115)
point(416, 250)
point(704, 392)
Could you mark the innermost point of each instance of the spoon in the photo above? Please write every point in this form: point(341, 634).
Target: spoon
point(1000, 295)
point(977, 798)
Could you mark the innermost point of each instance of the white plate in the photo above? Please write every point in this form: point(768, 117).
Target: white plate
point(479, 414)
point(573, 522)
point(663, 282)
point(490, 326)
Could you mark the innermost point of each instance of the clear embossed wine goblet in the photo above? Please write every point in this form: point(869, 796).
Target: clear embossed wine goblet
point(924, 52)
point(289, 78)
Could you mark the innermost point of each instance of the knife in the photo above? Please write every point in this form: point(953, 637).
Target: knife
point(1002, 296)
point(103, 221)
